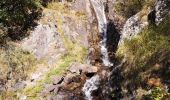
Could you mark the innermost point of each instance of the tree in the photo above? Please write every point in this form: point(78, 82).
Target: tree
point(18, 16)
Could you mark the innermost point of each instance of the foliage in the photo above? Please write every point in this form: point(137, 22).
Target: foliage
point(18, 16)
point(15, 65)
point(127, 8)
point(157, 94)
point(146, 56)
point(151, 42)
point(14, 60)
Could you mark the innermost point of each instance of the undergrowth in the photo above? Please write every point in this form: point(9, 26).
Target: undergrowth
point(146, 58)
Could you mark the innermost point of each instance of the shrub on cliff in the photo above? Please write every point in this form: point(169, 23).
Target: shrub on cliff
point(18, 16)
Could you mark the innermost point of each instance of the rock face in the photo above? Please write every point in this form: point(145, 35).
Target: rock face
point(133, 26)
point(162, 9)
point(44, 41)
point(137, 23)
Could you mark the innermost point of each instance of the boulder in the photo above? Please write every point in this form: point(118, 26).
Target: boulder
point(19, 85)
point(82, 68)
point(162, 9)
point(57, 79)
point(133, 26)
point(49, 87)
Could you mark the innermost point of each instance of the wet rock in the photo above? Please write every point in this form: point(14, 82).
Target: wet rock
point(61, 96)
point(74, 68)
point(89, 69)
point(73, 86)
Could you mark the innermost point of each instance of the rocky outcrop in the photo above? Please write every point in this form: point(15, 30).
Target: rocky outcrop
point(138, 22)
point(69, 85)
point(162, 9)
point(44, 41)
point(134, 25)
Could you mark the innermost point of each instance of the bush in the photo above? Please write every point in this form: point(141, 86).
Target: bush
point(157, 94)
point(18, 16)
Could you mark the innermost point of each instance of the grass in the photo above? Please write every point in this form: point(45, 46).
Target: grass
point(15, 64)
point(13, 58)
point(128, 8)
point(75, 51)
point(143, 53)
point(152, 41)
point(61, 65)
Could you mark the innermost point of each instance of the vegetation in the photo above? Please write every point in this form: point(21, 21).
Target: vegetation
point(18, 16)
point(75, 51)
point(15, 65)
point(157, 94)
point(62, 64)
point(127, 8)
point(147, 57)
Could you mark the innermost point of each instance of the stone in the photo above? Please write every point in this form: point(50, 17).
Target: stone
point(74, 68)
point(83, 68)
point(133, 26)
point(73, 86)
point(162, 9)
point(57, 79)
point(89, 69)
point(19, 85)
point(50, 88)
point(68, 78)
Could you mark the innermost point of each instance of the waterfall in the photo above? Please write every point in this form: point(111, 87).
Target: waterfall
point(91, 85)
point(99, 9)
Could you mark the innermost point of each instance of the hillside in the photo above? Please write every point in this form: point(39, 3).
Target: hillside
point(84, 50)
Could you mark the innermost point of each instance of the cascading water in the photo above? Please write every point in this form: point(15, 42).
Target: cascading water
point(99, 8)
point(93, 83)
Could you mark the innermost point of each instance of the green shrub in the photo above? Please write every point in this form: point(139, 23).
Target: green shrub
point(157, 94)
point(18, 16)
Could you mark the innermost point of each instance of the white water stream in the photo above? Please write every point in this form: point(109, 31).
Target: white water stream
point(99, 9)
point(93, 83)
